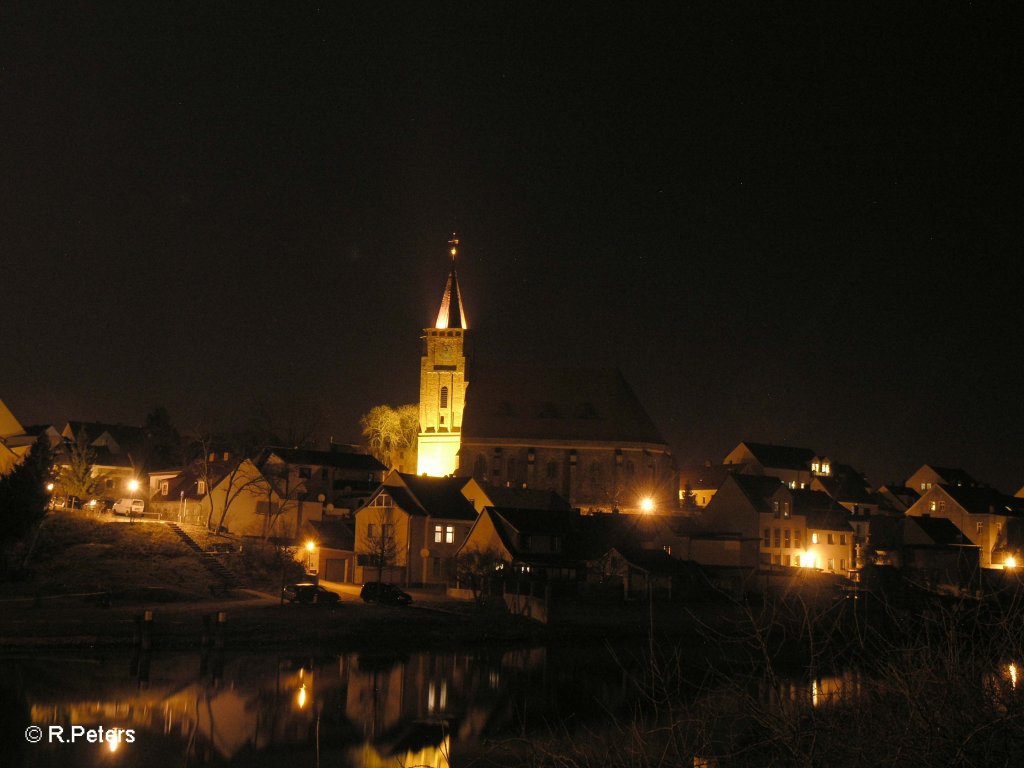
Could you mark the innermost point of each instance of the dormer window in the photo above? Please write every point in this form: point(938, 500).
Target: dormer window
point(201, 487)
point(815, 466)
point(165, 488)
point(825, 469)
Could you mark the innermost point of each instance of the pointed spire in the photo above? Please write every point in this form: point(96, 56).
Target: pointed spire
point(452, 314)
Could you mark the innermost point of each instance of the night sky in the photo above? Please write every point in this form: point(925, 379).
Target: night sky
point(799, 227)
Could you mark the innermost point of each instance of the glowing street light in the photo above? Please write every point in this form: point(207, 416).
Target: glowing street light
point(646, 505)
point(49, 487)
point(1010, 562)
point(133, 485)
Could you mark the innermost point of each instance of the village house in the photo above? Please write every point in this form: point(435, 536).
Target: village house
point(989, 519)
point(410, 529)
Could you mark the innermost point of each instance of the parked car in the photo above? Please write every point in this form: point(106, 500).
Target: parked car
point(309, 593)
point(128, 507)
point(385, 594)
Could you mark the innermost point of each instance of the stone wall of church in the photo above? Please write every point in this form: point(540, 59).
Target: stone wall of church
point(591, 477)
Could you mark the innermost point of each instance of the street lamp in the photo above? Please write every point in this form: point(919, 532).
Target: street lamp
point(647, 505)
point(133, 485)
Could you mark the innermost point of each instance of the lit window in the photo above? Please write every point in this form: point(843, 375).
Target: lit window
point(923, 486)
point(438, 534)
point(792, 484)
point(449, 534)
point(814, 538)
point(934, 506)
point(775, 507)
point(814, 466)
point(825, 469)
point(796, 561)
point(668, 549)
point(201, 487)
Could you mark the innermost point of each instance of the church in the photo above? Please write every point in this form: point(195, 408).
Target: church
point(579, 432)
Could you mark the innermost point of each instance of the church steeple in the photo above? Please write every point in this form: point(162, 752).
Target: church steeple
point(452, 314)
point(443, 381)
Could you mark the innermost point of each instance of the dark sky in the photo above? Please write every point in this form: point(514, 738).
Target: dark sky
point(797, 227)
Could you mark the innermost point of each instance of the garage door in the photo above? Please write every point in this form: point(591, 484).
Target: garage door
point(336, 569)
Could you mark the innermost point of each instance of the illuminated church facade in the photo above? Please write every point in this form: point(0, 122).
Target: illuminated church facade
point(579, 432)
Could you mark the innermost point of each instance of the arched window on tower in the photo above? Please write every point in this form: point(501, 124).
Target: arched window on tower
point(444, 397)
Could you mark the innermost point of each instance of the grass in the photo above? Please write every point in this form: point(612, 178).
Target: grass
point(78, 552)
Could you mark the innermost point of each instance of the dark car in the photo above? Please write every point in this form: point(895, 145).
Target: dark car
point(385, 594)
point(309, 593)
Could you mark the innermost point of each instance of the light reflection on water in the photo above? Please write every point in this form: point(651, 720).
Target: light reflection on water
point(360, 710)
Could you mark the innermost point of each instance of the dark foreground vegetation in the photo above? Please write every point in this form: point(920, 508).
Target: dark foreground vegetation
point(855, 683)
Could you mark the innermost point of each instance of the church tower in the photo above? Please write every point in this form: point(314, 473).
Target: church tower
point(443, 382)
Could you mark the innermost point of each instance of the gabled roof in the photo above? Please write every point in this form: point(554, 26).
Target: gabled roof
point(439, 497)
point(570, 404)
point(523, 498)
point(954, 476)
point(334, 533)
point(758, 489)
point(780, 456)
point(599, 533)
point(127, 437)
point(981, 501)
point(359, 462)
point(829, 520)
point(806, 501)
point(187, 480)
point(704, 476)
point(512, 524)
point(940, 530)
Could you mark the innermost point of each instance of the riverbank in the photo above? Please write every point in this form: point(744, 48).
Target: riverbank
point(257, 621)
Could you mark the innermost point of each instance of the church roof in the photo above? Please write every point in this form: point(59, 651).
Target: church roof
point(780, 456)
point(451, 314)
point(570, 404)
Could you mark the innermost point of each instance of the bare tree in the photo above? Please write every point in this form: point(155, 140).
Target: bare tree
point(389, 431)
point(281, 489)
point(476, 567)
point(230, 476)
point(379, 544)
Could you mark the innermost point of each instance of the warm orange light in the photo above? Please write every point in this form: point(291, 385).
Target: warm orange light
point(646, 505)
point(310, 545)
point(49, 487)
point(133, 485)
point(1010, 562)
point(301, 698)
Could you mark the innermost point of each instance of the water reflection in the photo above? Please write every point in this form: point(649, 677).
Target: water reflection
point(441, 710)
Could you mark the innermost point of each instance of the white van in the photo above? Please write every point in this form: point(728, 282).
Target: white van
point(129, 507)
